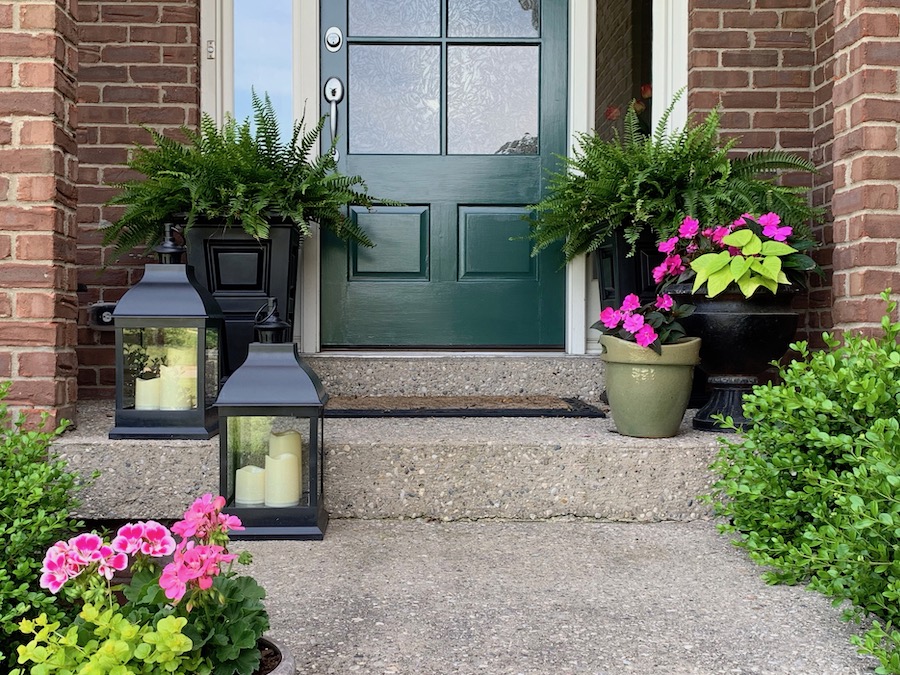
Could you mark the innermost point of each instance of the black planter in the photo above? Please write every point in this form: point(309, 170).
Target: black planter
point(242, 273)
point(741, 338)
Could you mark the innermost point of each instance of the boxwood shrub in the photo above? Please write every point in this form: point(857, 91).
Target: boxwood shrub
point(812, 487)
point(36, 500)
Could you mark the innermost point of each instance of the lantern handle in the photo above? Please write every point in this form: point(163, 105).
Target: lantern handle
point(270, 328)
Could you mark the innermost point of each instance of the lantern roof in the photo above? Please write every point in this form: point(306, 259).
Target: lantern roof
point(273, 375)
point(168, 290)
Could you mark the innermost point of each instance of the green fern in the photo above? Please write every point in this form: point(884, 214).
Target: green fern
point(638, 183)
point(238, 175)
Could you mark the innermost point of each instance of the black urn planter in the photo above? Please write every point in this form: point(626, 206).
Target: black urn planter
point(740, 338)
point(242, 273)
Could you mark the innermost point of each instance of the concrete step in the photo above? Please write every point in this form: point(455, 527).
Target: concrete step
point(433, 468)
point(460, 374)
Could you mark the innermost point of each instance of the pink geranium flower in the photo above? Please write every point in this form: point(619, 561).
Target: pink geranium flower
point(85, 548)
point(631, 303)
point(157, 541)
point(54, 573)
point(645, 336)
point(129, 538)
point(610, 317)
point(689, 228)
point(110, 561)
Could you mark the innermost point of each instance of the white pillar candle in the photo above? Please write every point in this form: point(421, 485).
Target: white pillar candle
point(181, 356)
point(286, 442)
point(176, 392)
point(282, 480)
point(146, 394)
point(250, 486)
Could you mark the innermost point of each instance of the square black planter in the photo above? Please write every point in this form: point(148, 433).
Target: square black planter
point(242, 273)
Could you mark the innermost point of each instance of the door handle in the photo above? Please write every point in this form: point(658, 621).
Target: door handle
point(334, 94)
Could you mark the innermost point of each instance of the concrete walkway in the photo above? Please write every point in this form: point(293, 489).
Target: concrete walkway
point(541, 598)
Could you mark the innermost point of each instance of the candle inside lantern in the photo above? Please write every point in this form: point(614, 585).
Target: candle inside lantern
point(176, 391)
point(290, 442)
point(250, 486)
point(181, 356)
point(282, 480)
point(146, 394)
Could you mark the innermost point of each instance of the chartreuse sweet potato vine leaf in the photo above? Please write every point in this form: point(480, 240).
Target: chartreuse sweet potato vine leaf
point(759, 263)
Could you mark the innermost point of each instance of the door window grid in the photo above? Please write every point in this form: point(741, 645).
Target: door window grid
point(460, 121)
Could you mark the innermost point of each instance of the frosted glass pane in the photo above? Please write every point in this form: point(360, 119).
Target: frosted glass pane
point(494, 18)
point(492, 98)
point(394, 99)
point(262, 58)
point(394, 18)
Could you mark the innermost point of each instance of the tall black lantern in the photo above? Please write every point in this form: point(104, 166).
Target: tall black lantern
point(271, 441)
point(169, 334)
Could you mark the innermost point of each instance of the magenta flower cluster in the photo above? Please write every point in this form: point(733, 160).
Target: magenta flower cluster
point(630, 317)
point(692, 241)
point(196, 559)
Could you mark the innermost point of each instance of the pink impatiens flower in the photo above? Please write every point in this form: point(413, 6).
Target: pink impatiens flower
point(633, 323)
point(645, 336)
point(770, 223)
point(674, 265)
point(660, 272)
point(719, 234)
point(689, 228)
point(631, 303)
point(668, 245)
point(664, 301)
point(610, 317)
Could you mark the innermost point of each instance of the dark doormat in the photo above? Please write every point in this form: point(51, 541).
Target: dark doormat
point(459, 406)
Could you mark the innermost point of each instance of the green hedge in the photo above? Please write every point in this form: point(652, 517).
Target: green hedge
point(811, 487)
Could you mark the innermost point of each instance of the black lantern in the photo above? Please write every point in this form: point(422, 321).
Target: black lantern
point(169, 333)
point(271, 440)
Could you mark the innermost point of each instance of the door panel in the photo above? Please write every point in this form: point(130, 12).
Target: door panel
point(457, 109)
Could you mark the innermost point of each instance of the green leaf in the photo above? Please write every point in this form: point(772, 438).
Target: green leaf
point(748, 284)
point(739, 239)
point(778, 248)
point(708, 264)
point(771, 268)
point(739, 266)
point(753, 247)
point(718, 282)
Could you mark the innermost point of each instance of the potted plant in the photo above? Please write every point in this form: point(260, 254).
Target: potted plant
point(649, 365)
point(742, 277)
point(244, 199)
point(626, 193)
point(184, 611)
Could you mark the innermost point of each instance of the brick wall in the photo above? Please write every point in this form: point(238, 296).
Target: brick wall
point(866, 158)
point(768, 63)
point(38, 168)
point(615, 87)
point(139, 66)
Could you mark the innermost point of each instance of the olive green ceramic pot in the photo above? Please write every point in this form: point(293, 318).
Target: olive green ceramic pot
point(648, 393)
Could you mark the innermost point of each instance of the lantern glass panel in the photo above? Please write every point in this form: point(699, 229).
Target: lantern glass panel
point(160, 368)
point(268, 461)
point(212, 364)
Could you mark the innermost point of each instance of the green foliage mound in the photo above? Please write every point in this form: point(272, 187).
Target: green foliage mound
point(36, 498)
point(238, 175)
point(813, 487)
point(635, 181)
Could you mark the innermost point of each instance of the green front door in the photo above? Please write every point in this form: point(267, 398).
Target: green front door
point(456, 108)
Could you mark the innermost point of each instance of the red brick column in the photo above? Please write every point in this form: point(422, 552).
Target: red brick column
point(139, 66)
point(866, 159)
point(38, 66)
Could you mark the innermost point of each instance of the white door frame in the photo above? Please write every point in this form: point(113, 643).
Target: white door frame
point(670, 20)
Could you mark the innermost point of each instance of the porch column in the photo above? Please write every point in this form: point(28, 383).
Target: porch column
point(38, 306)
point(866, 160)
